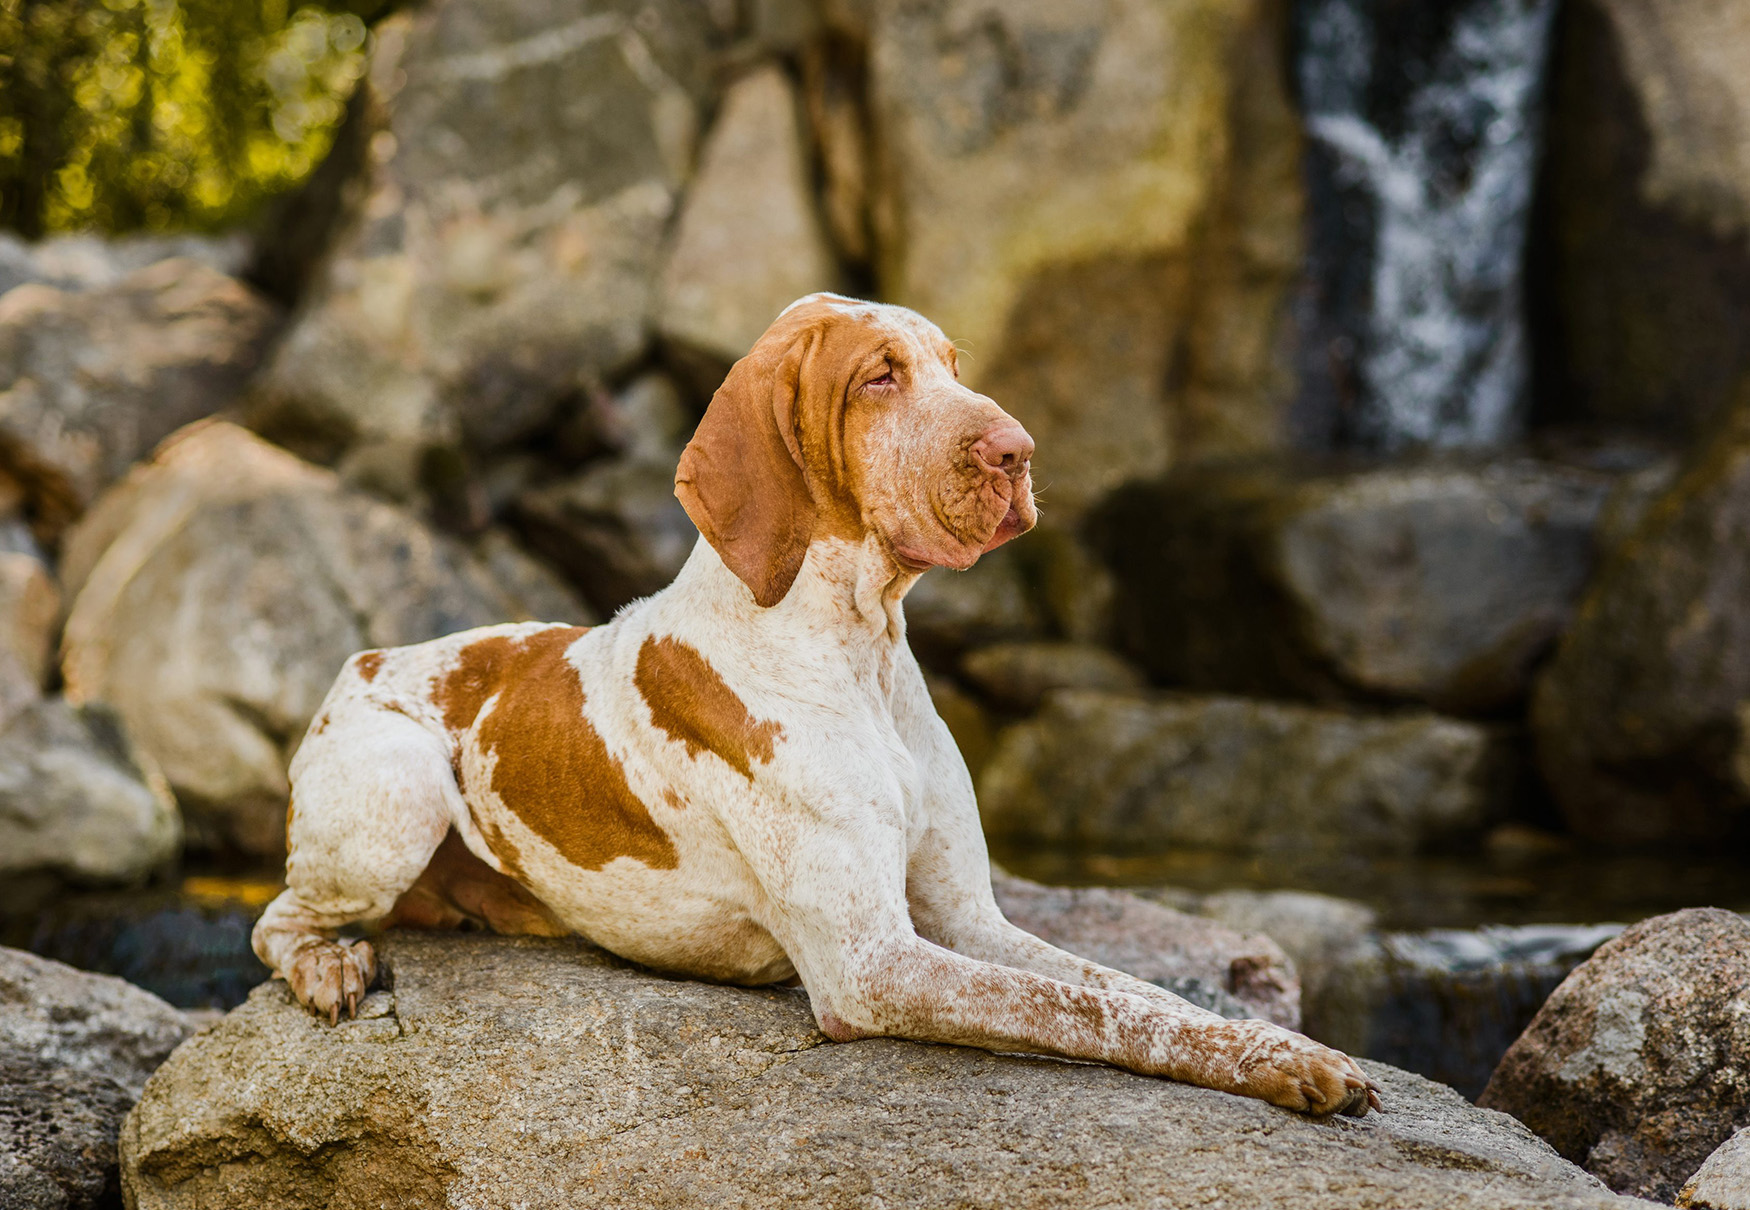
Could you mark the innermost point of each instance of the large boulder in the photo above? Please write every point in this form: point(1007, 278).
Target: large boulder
point(1638, 1066)
point(75, 1051)
point(501, 1071)
point(91, 380)
point(1117, 772)
point(749, 241)
point(1645, 247)
point(1046, 176)
point(1441, 583)
point(216, 593)
point(79, 804)
point(1233, 973)
point(1640, 720)
point(523, 166)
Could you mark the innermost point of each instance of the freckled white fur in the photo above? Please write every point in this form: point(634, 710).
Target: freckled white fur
point(854, 857)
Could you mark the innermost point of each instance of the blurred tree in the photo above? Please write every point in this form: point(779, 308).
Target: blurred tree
point(117, 115)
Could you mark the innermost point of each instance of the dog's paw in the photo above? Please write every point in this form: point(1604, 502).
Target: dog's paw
point(329, 977)
point(1291, 1070)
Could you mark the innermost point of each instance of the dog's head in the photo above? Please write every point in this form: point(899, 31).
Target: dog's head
point(848, 419)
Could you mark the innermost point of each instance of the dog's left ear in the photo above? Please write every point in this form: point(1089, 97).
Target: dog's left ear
point(741, 478)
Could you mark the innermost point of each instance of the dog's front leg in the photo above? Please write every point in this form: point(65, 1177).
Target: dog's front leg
point(837, 891)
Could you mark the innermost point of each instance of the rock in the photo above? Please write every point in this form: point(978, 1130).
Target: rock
point(749, 242)
point(30, 613)
point(58, 1136)
point(1234, 974)
point(1018, 675)
point(1116, 772)
point(1441, 584)
point(75, 1051)
point(1331, 941)
point(91, 380)
point(525, 162)
point(991, 601)
point(217, 591)
point(1638, 1066)
point(1449, 1003)
point(1638, 719)
point(1044, 177)
point(1645, 240)
point(1444, 1003)
point(78, 803)
point(1723, 1181)
point(616, 530)
point(92, 262)
point(82, 1022)
point(564, 1077)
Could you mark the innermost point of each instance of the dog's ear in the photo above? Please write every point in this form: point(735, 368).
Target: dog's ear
point(741, 478)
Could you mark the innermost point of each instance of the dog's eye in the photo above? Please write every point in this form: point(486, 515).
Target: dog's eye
point(886, 380)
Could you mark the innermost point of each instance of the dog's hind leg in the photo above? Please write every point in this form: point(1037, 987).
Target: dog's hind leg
point(373, 794)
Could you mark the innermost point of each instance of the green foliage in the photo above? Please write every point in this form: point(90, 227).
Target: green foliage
point(117, 115)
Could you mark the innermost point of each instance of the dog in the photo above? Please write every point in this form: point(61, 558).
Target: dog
point(742, 778)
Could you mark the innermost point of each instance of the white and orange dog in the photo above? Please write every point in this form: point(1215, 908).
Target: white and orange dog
point(742, 777)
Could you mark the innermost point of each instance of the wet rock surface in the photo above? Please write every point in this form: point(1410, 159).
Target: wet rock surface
point(1441, 584)
point(91, 380)
point(75, 1051)
point(216, 594)
point(1639, 718)
point(1232, 973)
point(740, 1099)
point(1638, 1066)
point(1116, 771)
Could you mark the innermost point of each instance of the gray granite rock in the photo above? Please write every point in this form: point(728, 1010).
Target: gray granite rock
point(1723, 1180)
point(748, 242)
point(1441, 584)
point(80, 804)
point(1638, 1066)
point(500, 1071)
point(1019, 675)
point(1237, 974)
point(75, 1051)
point(1639, 718)
point(91, 380)
point(523, 166)
point(1114, 771)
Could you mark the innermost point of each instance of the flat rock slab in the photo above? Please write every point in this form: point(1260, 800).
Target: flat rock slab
point(506, 1072)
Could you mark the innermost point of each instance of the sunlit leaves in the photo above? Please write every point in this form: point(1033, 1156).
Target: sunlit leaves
point(123, 114)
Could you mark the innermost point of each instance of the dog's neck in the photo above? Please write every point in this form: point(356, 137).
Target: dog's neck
point(849, 589)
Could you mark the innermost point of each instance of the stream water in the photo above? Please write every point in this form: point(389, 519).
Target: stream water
point(1423, 126)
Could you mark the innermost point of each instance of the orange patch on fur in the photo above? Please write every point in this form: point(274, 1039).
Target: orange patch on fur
point(692, 703)
point(456, 887)
point(552, 770)
point(369, 663)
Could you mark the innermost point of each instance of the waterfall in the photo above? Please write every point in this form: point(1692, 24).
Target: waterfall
point(1422, 117)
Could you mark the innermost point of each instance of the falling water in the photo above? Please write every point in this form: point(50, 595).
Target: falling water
point(1423, 116)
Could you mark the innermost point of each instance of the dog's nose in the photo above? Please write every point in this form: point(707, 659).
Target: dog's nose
point(1005, 449)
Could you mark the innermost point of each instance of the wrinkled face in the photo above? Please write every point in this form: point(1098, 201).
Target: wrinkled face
point(848, 419)
point(940, 472)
